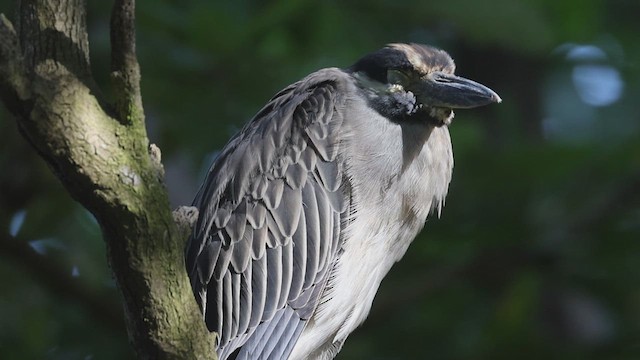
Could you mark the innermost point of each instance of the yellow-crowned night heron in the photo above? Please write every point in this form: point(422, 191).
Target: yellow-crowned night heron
point(308, 207)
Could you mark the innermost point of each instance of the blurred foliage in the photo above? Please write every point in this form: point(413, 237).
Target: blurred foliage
point(536, 253)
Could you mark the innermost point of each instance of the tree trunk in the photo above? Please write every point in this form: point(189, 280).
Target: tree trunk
point(101, 154)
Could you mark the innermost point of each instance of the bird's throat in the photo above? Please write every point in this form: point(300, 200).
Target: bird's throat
point(441, 116)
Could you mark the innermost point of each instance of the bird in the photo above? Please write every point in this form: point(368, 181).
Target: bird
point(306, 209)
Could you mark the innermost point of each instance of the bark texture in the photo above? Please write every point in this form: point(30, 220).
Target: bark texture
point(102, 155)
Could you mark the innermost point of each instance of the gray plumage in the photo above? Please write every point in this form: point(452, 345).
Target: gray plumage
point(305, 210)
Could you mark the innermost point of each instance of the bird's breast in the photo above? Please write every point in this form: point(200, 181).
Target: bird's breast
point(398, 173)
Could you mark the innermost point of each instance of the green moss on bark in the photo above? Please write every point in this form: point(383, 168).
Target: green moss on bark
point(104, 163)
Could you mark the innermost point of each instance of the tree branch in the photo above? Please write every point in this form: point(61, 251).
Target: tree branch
point(55, 30)
point(14, 88)
point(104, 163)
point(125, 71)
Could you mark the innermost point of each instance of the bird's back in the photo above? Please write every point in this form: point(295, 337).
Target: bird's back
point(269, 229)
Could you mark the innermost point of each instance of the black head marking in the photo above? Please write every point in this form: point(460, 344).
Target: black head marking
point(376, 64)
point(417, 58)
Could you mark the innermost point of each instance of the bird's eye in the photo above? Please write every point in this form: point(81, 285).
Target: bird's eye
point(397, 77)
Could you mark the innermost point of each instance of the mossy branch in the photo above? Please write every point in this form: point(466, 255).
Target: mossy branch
point(125, 71)
point(103, 160)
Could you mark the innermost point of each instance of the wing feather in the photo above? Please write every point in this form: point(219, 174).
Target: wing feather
point(227, 308)
point(237, 222)
point(259, 290)
point(318, 214)
point(309, 159)
point(207, 260)
point(241, 255)
point(274, 281)
point(287, 274)
point(259, 245)
point(245, 299)
point(329, 175)
point(296, 176)
point(256, 216)
point(274, 195)
point(299, 257)
point(236, 311)
point(286, 216)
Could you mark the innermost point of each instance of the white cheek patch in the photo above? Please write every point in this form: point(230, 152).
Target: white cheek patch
point(396, 88)
point(443, 115)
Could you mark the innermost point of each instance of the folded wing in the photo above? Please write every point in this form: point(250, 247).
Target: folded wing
point(271, 210)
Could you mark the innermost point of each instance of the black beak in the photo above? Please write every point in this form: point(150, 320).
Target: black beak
point(449, 91)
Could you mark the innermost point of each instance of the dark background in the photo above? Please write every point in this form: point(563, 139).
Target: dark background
point(537, 252)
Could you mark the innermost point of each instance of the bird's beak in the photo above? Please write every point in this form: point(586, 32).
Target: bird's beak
point(443, 90)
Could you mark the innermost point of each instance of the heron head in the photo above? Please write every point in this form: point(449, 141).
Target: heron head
point(417, 80)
